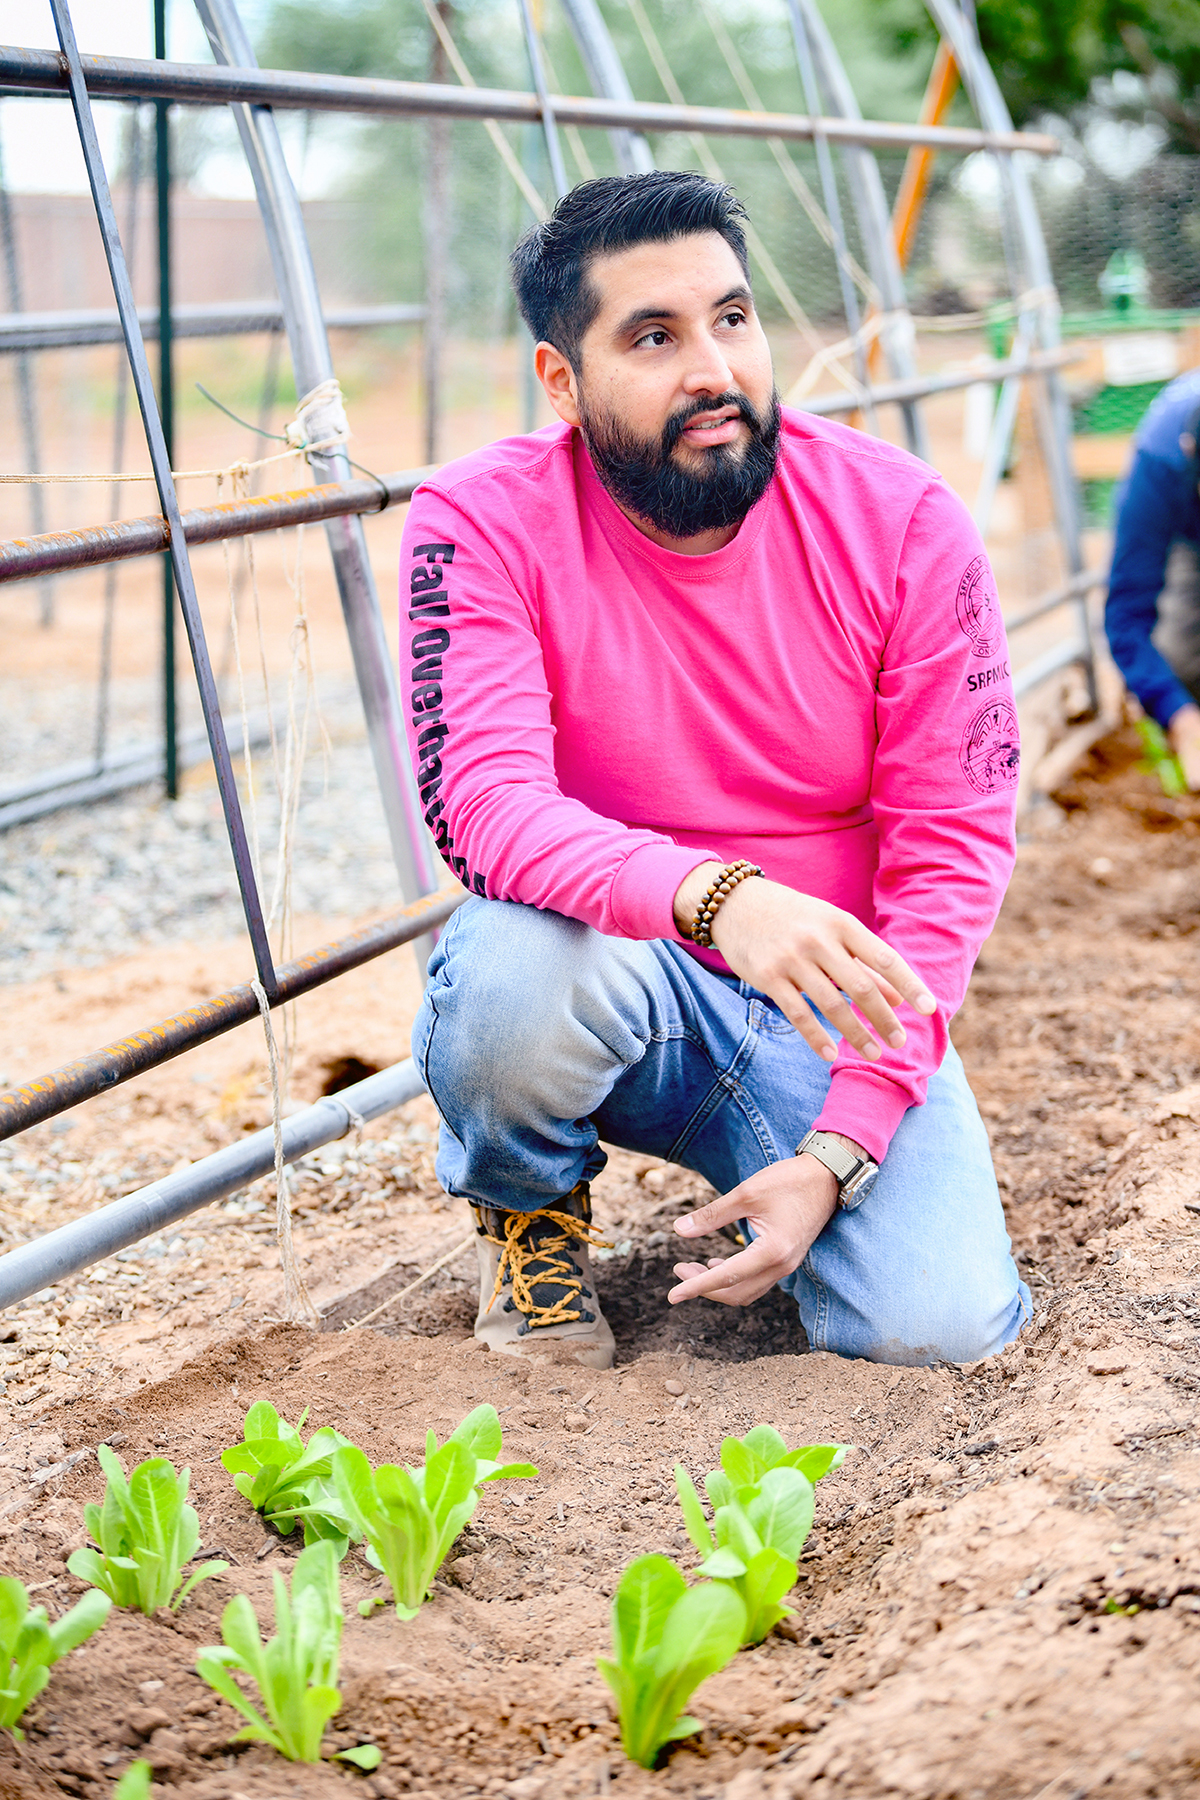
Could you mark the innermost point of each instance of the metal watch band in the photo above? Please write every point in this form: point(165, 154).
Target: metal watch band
point(852, 1173)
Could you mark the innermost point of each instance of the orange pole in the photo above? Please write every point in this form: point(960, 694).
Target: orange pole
point(918, 164)
point(940, 90)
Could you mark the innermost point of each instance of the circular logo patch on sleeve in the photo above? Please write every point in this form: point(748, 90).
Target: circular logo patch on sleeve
point(990, 752)
point(978, 607)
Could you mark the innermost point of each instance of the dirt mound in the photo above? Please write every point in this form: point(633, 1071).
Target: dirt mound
point(1001, 1597)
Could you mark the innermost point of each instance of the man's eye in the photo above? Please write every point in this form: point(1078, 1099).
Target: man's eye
point(734, 318)
point(657, 338)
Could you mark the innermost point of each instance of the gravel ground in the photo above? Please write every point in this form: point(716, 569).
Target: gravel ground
point(83, 886)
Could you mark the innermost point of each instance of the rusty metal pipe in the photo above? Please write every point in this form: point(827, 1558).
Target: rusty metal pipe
point(200, 84)
point(22, 557)
point(48, 1095)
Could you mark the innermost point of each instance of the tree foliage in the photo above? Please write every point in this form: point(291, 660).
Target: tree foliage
point(1056, 56)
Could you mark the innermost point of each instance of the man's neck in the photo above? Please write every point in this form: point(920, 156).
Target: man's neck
point(703, 544)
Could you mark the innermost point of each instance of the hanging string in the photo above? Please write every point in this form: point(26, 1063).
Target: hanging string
point(320, 424)
point(120, 413)
point(298, 1308)
point(504, 149)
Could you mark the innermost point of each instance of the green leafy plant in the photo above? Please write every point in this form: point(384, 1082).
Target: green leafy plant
point(1160, 759)
point(667, 1639)
point(146, 1533)
point(296, 1671)
point(284, 1479)
point(30, 1644)
point(762, 1498)
point(410, 1517)
point(135, 1782)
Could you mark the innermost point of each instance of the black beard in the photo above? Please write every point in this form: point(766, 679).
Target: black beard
point(646, 479)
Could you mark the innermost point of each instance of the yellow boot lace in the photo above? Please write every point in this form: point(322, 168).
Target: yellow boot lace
point(516, 1254)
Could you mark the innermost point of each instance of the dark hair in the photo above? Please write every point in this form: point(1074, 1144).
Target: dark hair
point(614, 212)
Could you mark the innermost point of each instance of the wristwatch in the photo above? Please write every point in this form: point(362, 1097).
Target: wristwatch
point(854, 1174)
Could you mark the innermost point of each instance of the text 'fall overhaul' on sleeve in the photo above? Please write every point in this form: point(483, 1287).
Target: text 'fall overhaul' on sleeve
point(591, 715)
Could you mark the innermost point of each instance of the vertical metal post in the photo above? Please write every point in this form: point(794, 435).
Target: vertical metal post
point(165, 483)
point(558, 168)
point(26, 399)
point(607, 75)
point(833, 205)
point(875, 224)
point(956, 24)
point(295, 276)
point(166, 401)
point(435, 219)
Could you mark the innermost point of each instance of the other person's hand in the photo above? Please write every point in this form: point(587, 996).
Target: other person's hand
point(788, 1204)
point(788, 945)
point(1183, 734)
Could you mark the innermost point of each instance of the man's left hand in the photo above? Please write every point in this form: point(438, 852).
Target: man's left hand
point(788, 1204)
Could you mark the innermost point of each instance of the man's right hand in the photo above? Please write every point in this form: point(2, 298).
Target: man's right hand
point(1183, 734)
point(789, 945)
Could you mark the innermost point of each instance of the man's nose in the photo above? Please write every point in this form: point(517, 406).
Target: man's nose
point(707, 372)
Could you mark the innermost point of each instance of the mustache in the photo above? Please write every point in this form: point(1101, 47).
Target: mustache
point(679, 421)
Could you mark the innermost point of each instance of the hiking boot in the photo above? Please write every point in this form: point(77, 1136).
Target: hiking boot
point(536, 1281)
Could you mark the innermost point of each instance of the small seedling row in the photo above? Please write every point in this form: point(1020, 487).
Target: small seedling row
point(667, 1636)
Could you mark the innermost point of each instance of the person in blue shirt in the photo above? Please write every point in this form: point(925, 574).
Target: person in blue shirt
point(1153, 614)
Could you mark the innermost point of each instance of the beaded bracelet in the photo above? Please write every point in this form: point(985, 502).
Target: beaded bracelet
point(700, 930)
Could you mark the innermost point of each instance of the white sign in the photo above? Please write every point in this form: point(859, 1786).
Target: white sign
point(1140, 356)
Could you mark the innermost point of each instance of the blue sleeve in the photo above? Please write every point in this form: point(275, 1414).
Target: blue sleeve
point(1154, 504)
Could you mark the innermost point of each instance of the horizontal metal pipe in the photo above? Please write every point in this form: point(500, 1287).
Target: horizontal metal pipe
point(32, 1267)
point(228, 318)
point(78, 784)
point(1070, 590)
point(48, 1095)
point(922, 385)
point(147, 536)
point(1059, 656)
point(200, 84)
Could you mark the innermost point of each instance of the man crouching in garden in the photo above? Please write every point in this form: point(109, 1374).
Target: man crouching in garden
point(710, 712)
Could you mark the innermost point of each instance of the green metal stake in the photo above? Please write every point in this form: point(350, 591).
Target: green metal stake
point(166, 397)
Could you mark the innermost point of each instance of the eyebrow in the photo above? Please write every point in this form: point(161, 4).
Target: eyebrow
point(644, 314)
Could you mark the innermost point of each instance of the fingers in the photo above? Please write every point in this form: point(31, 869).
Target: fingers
point(726, 1209)
point(881, 959)
point(733, 1280)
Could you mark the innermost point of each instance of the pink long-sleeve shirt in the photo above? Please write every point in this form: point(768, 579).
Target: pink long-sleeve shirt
point(829, 695)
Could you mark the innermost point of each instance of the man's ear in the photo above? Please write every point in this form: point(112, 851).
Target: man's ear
point(558, 378)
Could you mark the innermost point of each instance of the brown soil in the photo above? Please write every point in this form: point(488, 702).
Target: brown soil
point(1002, 1593)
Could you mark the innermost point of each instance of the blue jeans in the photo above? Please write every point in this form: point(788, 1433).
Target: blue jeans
point(538, 1036)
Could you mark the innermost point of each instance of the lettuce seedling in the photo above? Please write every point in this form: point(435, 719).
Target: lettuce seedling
point(30, 1645)
point(284, 1479)
point(667, 1639)
point(296, 1671)
point(763, 1499)
point(146, 1533)
point(410, 1517)
point(135, 1782)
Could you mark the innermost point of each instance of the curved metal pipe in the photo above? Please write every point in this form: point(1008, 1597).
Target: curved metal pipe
point(312, 363)
point(874, 223)
point(606, 72)
point(76, 1246)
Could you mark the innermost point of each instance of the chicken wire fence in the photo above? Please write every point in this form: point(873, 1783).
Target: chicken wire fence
point(422, 214)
